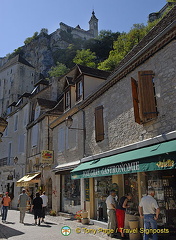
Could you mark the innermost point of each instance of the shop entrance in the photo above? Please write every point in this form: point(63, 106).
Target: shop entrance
point(164, 184)
point(70, 194)
point(102, 186)
point(50, 193)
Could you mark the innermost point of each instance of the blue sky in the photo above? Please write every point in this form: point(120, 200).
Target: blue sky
point(20, 19)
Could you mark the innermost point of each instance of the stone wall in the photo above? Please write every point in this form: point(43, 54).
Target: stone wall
point(119, 124)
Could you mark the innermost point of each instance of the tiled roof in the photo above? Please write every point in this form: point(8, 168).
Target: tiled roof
point(70, 80)
point(93, 72)
point(26, 94)
point(16, 59)
point(42, 81)
point(46, 103)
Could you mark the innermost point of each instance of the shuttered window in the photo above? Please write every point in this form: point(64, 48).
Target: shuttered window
point(143, 93)
point(99, 125)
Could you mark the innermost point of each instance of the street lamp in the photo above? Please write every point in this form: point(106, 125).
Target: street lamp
point(69, 122)
point(3, 125)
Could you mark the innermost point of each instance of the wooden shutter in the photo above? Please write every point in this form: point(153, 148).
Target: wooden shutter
point(147, 100)
point(134, 87)
point(99, 125)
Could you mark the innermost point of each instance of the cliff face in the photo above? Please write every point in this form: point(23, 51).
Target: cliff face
point(39, 53)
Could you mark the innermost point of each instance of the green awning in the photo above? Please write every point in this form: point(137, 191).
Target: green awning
point(157, 157)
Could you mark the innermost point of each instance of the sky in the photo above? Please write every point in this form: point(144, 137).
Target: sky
point(19, 19)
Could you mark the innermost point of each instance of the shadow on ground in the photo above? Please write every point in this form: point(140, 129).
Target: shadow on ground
point(8, 232)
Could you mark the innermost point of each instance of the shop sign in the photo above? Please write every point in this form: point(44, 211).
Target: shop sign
point(47, 156)
point(87, 190)
point(165, 163)
point(112, 170)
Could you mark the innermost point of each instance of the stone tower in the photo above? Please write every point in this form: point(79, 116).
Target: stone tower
point(93, 25)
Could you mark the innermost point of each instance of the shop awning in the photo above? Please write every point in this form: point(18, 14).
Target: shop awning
point(27, 179)
point(157, 157)
point(66, 166)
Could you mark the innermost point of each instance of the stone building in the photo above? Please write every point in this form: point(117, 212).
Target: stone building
point(130, 130)
point(69, 141)
point(16, 77)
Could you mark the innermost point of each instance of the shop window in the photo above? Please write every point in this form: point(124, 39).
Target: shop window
point(102, 187)
point(71, 200)
point(131, 186)
point(164, 184)
point(99, 124)
point(143, 93)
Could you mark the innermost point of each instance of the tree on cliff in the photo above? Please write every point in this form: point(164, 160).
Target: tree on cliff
point(85, 57)
point(59, 70)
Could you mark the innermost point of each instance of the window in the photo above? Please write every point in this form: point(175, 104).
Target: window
point(79, 90)
point(35, 135)
point(37, 112)
point(21, 140)
point(63, 139)
point(67, 99)
point(99, 125)
point(9, 153)
point(16, 123)
point(25, 117)
point(143, 93)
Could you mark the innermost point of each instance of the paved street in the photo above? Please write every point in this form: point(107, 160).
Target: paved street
point(49, 230)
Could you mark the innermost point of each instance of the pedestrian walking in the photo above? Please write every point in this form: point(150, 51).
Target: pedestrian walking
point(120, 212)
point(22, 201)
point(37, 207)
point(1, 196)
point(45, 203)
point(149, 210)
point(5, 206)
point(110, 202)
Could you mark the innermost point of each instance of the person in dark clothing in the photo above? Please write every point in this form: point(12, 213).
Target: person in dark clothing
point(37, 206)
point(120, 212)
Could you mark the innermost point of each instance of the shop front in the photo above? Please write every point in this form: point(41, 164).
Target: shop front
point(31, 182)
point(133, 171)
point(70, 197)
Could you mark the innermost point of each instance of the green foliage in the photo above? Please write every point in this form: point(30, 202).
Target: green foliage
point(29, 39)
point(15, 52)
point(125, 43)
point(85, 57)
point(44, 31)
point(102, 45)
point(59, 70)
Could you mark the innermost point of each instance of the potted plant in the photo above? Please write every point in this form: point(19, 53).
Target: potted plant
point(84, 214)
point(78, 216)
point(52, 213)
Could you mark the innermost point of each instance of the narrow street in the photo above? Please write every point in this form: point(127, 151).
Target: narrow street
point(51, 229)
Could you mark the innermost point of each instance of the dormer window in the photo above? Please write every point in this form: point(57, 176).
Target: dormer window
point(79, 90)
point(67, 99)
